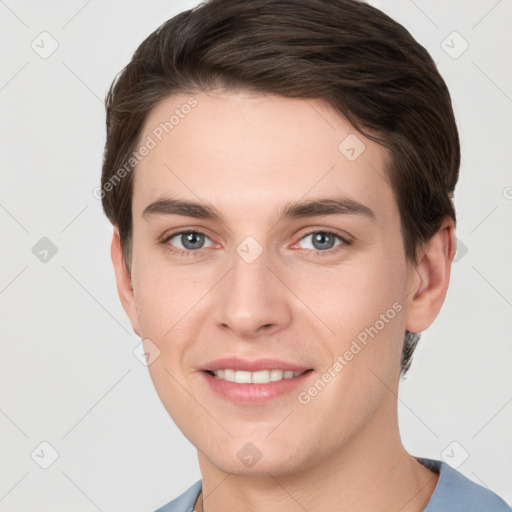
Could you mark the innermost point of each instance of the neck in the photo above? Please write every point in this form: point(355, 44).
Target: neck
point(371, 472)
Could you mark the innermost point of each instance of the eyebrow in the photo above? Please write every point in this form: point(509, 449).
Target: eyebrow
point(295, 210)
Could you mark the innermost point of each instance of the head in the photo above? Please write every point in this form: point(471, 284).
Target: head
point(248, 109)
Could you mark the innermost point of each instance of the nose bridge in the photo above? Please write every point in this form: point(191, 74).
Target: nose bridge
point(253, 298)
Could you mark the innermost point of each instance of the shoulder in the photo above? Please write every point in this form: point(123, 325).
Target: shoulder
point(457, 493)
point(185, 502)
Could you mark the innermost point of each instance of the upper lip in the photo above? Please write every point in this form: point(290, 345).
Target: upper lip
point(235, 363)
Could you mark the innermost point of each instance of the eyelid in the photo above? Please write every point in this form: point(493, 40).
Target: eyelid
point(345, 241)
point(179, 231)
point(166, 237)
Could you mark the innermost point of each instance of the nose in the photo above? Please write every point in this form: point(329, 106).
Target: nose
point(253, 300)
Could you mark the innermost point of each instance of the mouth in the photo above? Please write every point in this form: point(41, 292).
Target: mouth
point(254, 382)
point(258, 377)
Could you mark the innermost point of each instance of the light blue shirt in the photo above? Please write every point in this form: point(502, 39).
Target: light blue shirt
point(453, 493)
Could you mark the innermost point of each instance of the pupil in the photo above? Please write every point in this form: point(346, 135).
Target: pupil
point(192, 240)
point(321, 239)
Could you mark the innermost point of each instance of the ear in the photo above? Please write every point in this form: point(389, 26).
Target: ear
point(430, 278)
point(124, 281)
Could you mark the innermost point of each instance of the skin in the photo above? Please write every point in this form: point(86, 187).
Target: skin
point(249, 155)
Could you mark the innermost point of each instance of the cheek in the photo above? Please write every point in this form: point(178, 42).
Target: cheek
point(165, 296)
point(364, 307)
point(353, 295)
point(364, 304)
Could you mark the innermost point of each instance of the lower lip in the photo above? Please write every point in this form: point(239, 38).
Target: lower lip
point(254, 393)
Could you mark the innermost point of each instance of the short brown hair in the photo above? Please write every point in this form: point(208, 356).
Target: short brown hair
point(365, 65)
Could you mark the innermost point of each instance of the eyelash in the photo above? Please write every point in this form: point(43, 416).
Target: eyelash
point(318, 252)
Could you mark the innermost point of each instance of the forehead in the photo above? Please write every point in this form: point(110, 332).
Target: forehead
point(250, 153)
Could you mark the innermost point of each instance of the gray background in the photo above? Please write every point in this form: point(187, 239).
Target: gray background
point(68, 373)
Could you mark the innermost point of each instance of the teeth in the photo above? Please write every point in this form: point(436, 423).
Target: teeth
point(260, 377)
point(229, 375)
point(243, 377)
point(276, 374)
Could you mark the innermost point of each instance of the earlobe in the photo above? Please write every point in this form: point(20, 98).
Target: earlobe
point(124, 281)
point(430, 278)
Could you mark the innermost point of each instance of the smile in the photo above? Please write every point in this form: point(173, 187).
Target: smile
point(259, 377)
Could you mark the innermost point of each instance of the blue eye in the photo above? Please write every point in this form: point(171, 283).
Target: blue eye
point(190, 241)
point(324, 240)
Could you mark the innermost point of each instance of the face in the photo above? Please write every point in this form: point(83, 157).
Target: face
point(251, 281)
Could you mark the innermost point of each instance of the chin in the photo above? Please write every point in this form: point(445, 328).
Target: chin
point(251, 461)
point(260, 469)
